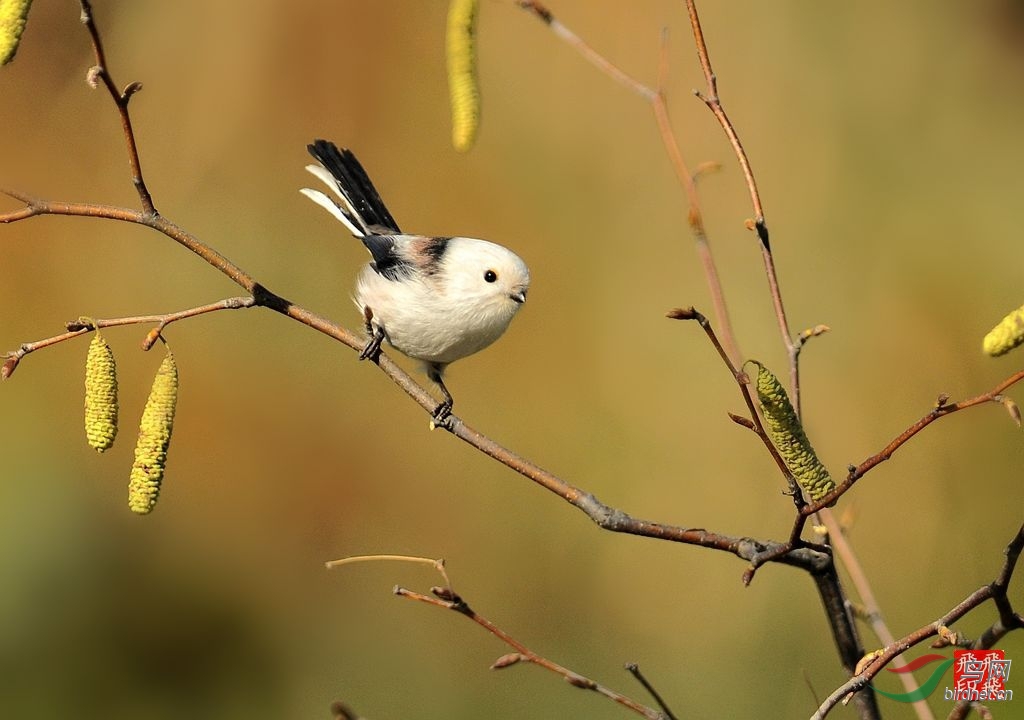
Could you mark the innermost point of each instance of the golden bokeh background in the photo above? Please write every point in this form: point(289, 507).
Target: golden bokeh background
point(886, 142)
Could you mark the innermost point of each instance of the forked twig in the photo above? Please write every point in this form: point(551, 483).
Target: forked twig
point(86, 325)
point(606, 517)
point(714, 103)
point(657, 99)
point(447, 599)
point(121, 98)
point(941, 409)
point(995, 591)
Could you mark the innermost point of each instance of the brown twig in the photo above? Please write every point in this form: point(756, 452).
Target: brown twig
point(657, 100)
point(743, 382)
point(871, 607)
point(941, 409)
point(121, 99)
point(438, 563)
point(712, 100)
point(604, 516)
point(995, 591)
point(445, 598)
point(86, 325)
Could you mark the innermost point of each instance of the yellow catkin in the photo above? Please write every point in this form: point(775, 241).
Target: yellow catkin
point(13, 15)
point(464, 91)
point(154, 437)
point(789, 438)
point(100, 395)
point(1005, 336)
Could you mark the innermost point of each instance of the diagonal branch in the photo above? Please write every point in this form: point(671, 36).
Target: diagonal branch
point(447, 599)
point(995, 591)
point(941, 409)
point(657, 100)
point(606, 517)
point(713, 102)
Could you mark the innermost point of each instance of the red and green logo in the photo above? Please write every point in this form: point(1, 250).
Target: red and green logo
point(978, 676)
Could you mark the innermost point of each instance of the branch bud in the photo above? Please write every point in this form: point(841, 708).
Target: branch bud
point(8, 367)
point(506, 661)
point(93, 75)
point(130, 89)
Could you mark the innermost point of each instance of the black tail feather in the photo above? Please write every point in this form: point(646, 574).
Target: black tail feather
point(355, 184)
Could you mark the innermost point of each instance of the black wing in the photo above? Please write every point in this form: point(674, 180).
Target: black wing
point(387, 260)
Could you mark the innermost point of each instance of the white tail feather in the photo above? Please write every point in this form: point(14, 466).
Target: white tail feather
point(331, 205)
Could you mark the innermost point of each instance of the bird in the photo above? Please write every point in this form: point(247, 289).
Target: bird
point(434, 299)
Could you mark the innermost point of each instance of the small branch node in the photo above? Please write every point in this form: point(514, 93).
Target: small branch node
point(80, 325)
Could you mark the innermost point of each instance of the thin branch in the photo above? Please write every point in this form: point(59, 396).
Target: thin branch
point(592, 56)
point(657, 100)
point(437, 564)
point(634, 670)
point(121, 99)
point(606, 517)
point(941, 409)
point(873, 610)
point(86, 325)
point(713, 102)
point(743, 382)
point(994, 591)
point(450, 601)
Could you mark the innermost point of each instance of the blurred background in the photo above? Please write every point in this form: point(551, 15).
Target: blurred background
point(886, 142)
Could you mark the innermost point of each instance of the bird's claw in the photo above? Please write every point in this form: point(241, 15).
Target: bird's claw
point(372, 349)
point(442, 415)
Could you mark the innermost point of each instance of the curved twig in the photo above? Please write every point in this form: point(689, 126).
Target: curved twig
point(995, 591)
point(659, 105)
point(447, 599)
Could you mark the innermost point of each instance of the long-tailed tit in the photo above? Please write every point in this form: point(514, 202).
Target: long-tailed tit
point(435, 299)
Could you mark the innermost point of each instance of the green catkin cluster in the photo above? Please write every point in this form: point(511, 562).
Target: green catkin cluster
point(100, 395)
point(464, 91)
point(154, 437)
point(13, 15)
point(1005, 336)
point(789, 438)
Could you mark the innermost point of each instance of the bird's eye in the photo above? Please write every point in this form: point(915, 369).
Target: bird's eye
point(490, 276)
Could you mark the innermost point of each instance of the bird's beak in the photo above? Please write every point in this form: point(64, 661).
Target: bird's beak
point(519, 297)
